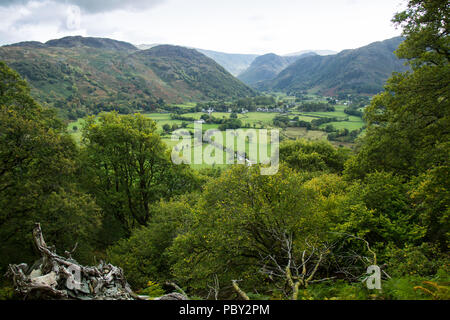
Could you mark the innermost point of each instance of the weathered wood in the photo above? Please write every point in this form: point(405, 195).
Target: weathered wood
point(241, 293)
point(56, 277)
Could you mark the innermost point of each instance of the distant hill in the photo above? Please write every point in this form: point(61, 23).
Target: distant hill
point(363, 70)
point(319, 52)
point(80, 75)
point(27, 44)
point(234, 63)
point(99, 43)
point(199, 73)
point(267, 67)
point(147, 46)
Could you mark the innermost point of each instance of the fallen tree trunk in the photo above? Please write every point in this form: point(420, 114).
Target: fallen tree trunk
point(57, 277)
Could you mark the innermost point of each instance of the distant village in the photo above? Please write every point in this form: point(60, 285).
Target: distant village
point(285, 109)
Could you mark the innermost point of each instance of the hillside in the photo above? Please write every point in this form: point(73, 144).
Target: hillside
point(234, 63)
point(82, 75)
point(99, 43)
point(198, 73)
point(363, 70)
point(267, 67)
point(319, 52)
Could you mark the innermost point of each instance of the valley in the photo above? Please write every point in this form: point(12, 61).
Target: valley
point(289, 126)
point(165, 172)
point(81, 76)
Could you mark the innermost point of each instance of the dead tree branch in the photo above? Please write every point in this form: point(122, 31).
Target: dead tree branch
point(241, 293)
point(56, 277)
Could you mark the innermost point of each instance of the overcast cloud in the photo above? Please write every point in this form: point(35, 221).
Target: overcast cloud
point(243, 26)
point(93, 6)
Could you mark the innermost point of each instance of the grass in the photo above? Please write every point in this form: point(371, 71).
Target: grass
point(75, 133)
point(338, 113)
point(353, 122)
point(250, 145)
point(186, 105)
point(257, 120)
point(302, 133)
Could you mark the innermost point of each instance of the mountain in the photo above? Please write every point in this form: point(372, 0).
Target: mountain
point(319, 52)
point(267, 67)
point(27, 44)
point(363, 70)
point(234, 63)
point(199, 73)
point(81, 75)
point(99, 43)
point(147, 46)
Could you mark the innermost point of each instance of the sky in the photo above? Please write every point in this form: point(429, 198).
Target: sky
point(233, 26)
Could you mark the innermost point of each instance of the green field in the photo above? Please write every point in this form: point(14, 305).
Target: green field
point(302, 133)
point(255, 120)
point(76, 133)
point(254, 144)
point(186, 105)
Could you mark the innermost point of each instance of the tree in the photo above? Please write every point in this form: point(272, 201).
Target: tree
point(311, 156)
point(166, 128)
point(425, 26)
point(407, 125)
point(127, 167)
point(37, 177)
point(240, 231)
point(144, 256)
point(385, 214)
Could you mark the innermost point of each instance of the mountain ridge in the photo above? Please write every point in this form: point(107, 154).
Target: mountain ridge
point(84, 76)
point(78, 41)
point(234, 63)
point(363, 70)
point(318, 52)
point(267, 67)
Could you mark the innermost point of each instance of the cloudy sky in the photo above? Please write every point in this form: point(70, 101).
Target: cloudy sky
point(235, 26)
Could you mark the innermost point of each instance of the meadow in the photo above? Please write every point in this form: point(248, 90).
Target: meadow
point(250, 120)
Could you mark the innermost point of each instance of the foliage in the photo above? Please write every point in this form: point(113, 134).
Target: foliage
point(37, 170)
point(316, 107)
point(6, 293)
point(234, 230)
point(387, 216)
point(127, 167)
point(152, 290)
point(425, 26)
point(429, 194)
point(143, 256)
point(307, 232)
point(424, 260)
point(436, 291)
point(310, 156)
point(81, 76)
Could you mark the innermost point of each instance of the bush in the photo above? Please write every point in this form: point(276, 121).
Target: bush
point(152, 290)
point(336, 290)
point(7, 293)
point(143, 256)
point(423, 260)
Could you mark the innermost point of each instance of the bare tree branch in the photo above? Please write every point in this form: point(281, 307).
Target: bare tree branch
point(241, 293)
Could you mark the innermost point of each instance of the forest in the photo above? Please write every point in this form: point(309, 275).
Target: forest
point(308, 232)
